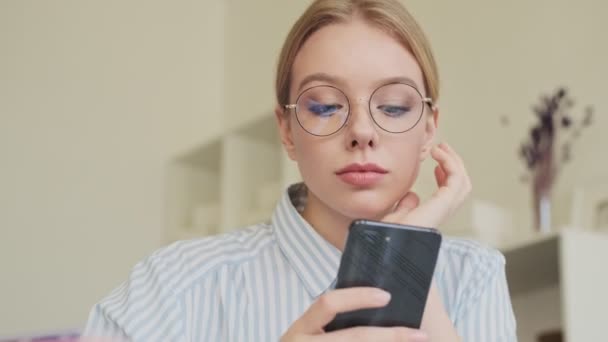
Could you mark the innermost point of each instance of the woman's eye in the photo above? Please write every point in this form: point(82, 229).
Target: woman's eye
point(321, 109)
point(394, 111)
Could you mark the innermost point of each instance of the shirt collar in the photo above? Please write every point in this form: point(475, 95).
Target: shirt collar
point(315, 260)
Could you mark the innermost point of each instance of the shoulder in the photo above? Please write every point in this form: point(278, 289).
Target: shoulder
point(191, 260)
point(469, 253)
point(467, 269)
point(165, 274)
point(142, 305)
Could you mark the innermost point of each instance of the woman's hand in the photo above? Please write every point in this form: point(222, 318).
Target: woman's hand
point(453, 187)
point(309, 327)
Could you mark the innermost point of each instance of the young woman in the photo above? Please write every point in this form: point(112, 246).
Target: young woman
point(357, 90)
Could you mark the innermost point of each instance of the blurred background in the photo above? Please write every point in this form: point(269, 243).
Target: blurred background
point(125, 125)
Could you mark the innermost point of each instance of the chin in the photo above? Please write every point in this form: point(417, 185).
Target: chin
point(365, 206)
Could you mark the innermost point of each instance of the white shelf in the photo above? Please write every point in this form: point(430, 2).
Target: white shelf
point(193, 185)
point(558, 281)
point(227, 183)
point(248, 162)
point(533, 264)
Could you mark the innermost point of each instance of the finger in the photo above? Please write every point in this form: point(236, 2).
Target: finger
point(434, 211)
point(440, 176)
point(375, 334)
point(447, 161)
point(407, 203)
point(325, 308)
point(453, 186)
point(460, 161)
point(446, 147)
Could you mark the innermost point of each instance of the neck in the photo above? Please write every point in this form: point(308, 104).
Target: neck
point(328, 223)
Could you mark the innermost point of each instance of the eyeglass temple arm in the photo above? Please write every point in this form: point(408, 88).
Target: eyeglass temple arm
point(429, 101)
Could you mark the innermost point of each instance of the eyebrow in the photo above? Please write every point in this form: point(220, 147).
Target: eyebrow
point(335, 80)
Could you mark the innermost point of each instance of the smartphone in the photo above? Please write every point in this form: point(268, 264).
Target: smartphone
point(397, 258)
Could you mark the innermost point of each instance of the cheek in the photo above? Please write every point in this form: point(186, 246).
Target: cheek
point(406, 158)
point(310, 150)
point(404, 155)
point(406, 148)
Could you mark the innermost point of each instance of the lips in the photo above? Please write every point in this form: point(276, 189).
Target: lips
point(369, 167)
point(361, 174)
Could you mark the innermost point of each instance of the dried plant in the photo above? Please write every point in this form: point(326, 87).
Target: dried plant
point(540, 152)
point(543, 154)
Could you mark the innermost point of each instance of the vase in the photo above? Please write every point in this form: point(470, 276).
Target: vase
point(542, 211)
point(542, 184)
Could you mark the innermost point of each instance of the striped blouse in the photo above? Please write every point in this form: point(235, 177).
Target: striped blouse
point(251, 284)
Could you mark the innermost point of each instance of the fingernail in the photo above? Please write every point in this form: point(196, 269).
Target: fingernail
point(382, 296)
point(419, 336)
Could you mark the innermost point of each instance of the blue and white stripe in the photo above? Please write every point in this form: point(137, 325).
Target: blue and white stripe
point(251, 284)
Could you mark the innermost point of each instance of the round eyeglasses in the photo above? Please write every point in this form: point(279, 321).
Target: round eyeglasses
point(323, 110)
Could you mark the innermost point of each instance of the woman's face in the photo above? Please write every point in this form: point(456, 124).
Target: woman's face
point(356, 58)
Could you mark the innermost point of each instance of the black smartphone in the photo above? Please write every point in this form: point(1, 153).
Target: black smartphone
point(399, 259)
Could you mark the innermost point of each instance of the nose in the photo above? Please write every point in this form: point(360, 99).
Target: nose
point(360, 128)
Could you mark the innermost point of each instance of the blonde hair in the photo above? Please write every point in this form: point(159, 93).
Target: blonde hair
point(388, 15)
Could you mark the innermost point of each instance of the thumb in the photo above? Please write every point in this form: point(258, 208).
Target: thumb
point(440, 176)
point(407, 203)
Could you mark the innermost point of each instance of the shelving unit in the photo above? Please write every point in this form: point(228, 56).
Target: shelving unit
point(193, 192)
point(559, 281)
point(251, 164)
point(232, 181)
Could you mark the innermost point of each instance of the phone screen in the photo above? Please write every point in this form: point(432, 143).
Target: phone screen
point(397, 258)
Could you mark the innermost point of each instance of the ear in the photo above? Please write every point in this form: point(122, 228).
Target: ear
point(430, 130)
point(284, 126)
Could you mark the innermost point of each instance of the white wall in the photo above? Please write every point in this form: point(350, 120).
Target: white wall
point(255, 31)
point(496, 58)
point(95, 98)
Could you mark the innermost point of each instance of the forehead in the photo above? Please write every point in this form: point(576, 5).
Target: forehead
point(358, 55)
